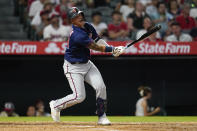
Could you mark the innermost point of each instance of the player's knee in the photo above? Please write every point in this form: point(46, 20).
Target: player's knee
point(101, 87)
point(81, 98)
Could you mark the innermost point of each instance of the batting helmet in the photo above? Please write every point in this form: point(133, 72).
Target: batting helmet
point(74, 11)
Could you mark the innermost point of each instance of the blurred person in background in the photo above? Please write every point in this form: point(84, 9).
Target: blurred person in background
point(162, 17)
point(98, 3)
point(29, 2)
point(193, 10)
point(193, 33)
point(117, 30)
point(145, 2)
point(31, 111)
point(153, 37)
point(36, 21)
point(142, 107)
point(56, 31)
point(36, 6)
point(174, 9)
point(62, 9)
point(135, 19)
point(45, 22)
point(55, 2)
point(186, 22)
point(79, 3)
point(9, 110)
point(147, 23)
point(100, 27)
point(179, 2)
point(152, 7)
point(40, 109)
point(126, 7)
point(90, 3)
point(177, 34)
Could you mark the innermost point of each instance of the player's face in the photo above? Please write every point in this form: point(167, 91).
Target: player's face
point(78, 21)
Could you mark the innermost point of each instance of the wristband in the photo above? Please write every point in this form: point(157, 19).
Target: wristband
point(109, 48)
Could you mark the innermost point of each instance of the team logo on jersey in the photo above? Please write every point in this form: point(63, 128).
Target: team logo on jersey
point(52, 48)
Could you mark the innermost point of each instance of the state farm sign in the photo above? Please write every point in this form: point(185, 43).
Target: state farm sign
point(159, 48)
point(17, 48)
point(58, 48)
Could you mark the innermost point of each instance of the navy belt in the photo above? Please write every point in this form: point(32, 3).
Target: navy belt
point(79, 62)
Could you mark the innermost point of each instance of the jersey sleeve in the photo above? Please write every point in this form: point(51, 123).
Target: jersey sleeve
point(83, 40)
point(88, 26)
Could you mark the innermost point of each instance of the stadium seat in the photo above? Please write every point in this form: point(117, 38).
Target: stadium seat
point(13, 35)
point(10, 27)
point(9, 19)
point(6, 11)
point(88, 12)
point(106, 11)
point(107, 19)
point(6, 2)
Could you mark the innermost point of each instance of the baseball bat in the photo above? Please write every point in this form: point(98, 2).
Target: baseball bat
point(153, 30)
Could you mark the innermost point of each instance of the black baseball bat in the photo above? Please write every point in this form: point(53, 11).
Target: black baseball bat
point(153, 30)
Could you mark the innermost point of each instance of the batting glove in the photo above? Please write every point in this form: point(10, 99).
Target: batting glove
point(118, 51)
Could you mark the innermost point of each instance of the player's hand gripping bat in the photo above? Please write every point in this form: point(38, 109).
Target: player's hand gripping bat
point(153, 30)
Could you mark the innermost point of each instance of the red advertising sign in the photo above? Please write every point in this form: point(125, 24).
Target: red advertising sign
point(58, 48)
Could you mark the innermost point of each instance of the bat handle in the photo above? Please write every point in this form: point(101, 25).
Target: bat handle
point(130, 44)
point(125, 47)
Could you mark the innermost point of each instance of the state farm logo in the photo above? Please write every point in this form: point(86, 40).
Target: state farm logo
point(52, 48)
point(167, 48)
point(157, 48)
point(17, 48)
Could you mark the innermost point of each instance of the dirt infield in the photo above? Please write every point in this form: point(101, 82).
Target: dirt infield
point(87, 126)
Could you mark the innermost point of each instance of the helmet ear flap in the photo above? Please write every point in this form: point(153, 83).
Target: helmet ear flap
point(81, 12)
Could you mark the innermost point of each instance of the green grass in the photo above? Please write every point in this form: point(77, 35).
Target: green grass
point(112, 118)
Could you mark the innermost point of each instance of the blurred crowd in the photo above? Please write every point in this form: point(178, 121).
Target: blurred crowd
point(38, 109)
point(117, 20)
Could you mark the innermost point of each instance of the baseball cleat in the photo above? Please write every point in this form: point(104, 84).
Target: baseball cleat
point(103, 120)
point(55, 114)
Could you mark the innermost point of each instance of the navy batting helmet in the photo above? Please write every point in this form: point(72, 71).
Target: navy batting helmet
point(74, 11)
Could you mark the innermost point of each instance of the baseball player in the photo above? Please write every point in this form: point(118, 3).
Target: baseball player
point(78, 68)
